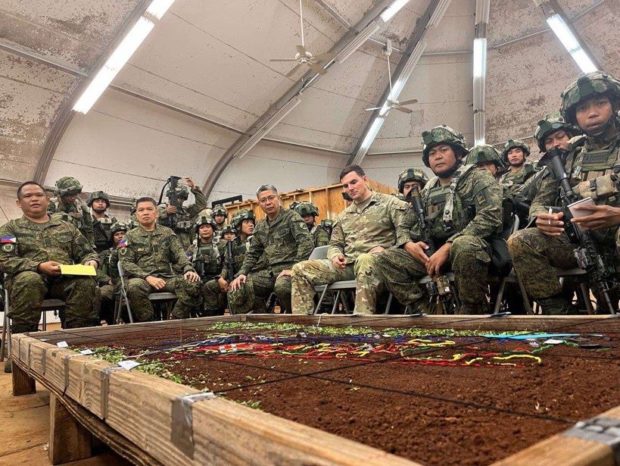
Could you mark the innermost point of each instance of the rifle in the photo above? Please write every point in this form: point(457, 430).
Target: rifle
point(173, 199)
point(589, 258)
point(230, 263)
point(438, 288)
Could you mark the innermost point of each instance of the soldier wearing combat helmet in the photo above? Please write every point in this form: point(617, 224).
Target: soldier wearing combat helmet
point(308, 213)
point(408, 179)
point(107, 274)
point(234, 251)
point(219, 215)
point(485, 157)
point(591, 103)
point(463, 212)
point(67, 206)
point(99, 202)
point(519, 171)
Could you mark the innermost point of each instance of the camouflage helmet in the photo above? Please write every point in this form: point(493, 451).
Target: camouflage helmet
point(306, 208)
point(204, 220)
point(442, 135)
point(550, 124)
point(484, 153)
point(67, 185)
point(587, 86)
point(118, 226)
point(411, 174)
point(181, 191)
point(240, 216)
point(219, 210)
point(229, 229)
point(511, 144)
point(92, 197)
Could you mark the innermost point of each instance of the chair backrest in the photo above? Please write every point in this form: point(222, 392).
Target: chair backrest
point(319, 252)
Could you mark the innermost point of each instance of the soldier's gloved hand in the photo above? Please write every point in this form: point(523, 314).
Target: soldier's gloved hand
point(339, 261)
point(223, 284)
point(95, 264)
point(237, 282)
point(155, 282)
point(599, 216)
point(170, 209)
point(550, 224)
point(437, 260)
point(417, 251)
point(50, 268)
point(191, 277)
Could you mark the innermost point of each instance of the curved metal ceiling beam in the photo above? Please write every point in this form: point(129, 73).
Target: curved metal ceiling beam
point(65, 114)
point(306, 81)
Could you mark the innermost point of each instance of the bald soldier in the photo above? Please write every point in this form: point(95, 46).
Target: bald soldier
point(32, 250)
point(373, 223)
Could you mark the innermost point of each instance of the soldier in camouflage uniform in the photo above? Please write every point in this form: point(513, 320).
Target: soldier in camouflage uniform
point(107, 275)
point(463, 211)
point(486, 157)
point(308, 213)
point(408, 179)
point(219, 215)
point(67, 206)
point(519, 171)
point(152, 254)
point(182, 219)
point(32, 249)
point(284, 240)
point(591, 103)
point(207, 257)
point(362, 233)
point(228, 234)
point(99, 203)
point(328, 226)
point(243, 223)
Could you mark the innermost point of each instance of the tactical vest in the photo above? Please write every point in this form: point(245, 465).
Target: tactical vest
point(208, 261)
point(445, 212)
point(101, 229)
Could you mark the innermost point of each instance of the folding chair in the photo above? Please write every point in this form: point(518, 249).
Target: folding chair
point(121, 298)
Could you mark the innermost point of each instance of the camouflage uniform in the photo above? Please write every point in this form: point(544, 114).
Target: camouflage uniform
point(589, 166)
point(218, 234)
point(101, 226)
point(76, 213)
point(26, 245)
point(319, 234)
point(207, 259)
point(155, 253)
point(108, 280)
point(185, 216)
point(358, 229)
point(283, 241)
point(466, 213)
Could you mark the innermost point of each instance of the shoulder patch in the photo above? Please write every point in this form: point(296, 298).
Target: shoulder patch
point(8, 247)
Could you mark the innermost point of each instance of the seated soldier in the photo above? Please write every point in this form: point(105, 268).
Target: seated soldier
point(308, 213)
point(409, 179)
point(515, 154)
point(67, 206)
point(486, 157)
point(463, 211)
point(179, 217)
point(33, 249)
point(227, 234)
point(284, 240)
point(234, 250)
point(149, 260)
point(219, 215)
point(362, 233)
point(207, 258)
point(107, 275)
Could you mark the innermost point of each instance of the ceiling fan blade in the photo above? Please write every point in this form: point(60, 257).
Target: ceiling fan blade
point(372, 108)
point(408, 102)
point(403, 109)
point(293, 70)
point(283, 59)
point(316, 67)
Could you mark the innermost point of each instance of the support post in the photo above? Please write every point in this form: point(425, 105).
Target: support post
point(23, 384)
point(69, 440)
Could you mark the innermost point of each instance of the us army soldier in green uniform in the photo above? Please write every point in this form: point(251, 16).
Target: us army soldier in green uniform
point(591, 103)
point(362, 233)
point(463, 209)
point(99, 203)
point(284, 240)
point(32, 249)
point(152, 254)
point(181, 219)
point(308, 213)
point(207, 257)
point(107, 275)
point(69, 207)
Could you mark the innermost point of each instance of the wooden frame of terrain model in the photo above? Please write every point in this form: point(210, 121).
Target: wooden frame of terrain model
point(150, 420)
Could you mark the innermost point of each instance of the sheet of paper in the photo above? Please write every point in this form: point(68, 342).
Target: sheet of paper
point(78, 269)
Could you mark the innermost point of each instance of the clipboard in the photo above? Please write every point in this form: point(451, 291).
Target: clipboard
point(78, 269)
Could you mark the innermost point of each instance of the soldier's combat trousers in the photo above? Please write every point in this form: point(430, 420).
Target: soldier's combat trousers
point(469, 260)
point(534, 256)
point(311, 273)
point(257, 288)
point(138, 290)
point(29, 289)
point(104, 302)
point(213, 299)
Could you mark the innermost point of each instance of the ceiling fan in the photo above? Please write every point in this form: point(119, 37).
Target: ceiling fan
point(303, 56)
point(393, 104)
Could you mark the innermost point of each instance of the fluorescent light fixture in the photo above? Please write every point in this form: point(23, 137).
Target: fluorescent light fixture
point(158, 8)
point(480, 57)
point(374, 129)
point(571, 44)
point(357, 41)
point(394, 8)
point(113, 65)
point(407, 70)
point(267, 127)
point(437, 15)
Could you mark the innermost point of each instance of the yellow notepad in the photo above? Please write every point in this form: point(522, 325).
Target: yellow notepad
point(78, 269)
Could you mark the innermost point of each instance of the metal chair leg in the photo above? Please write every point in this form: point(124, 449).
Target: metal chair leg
point(336, 299)
point(318, 306)
point(585, 294)
point(500, 295)
point(389, 304)
point(5, 333)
